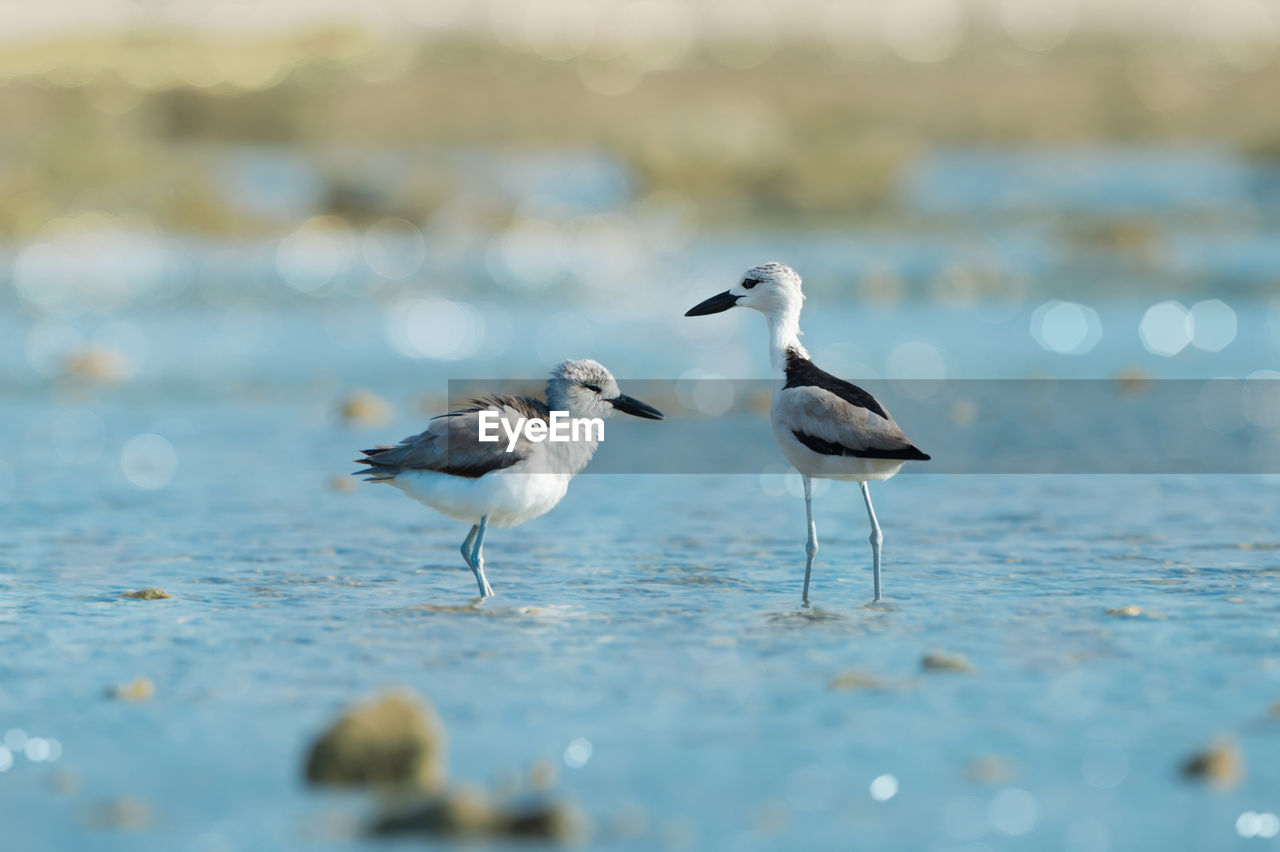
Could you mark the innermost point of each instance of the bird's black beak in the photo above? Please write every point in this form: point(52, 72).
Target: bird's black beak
point(631, 405)
point(714, 305)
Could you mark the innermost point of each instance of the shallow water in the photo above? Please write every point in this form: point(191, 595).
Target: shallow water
point(656, 616)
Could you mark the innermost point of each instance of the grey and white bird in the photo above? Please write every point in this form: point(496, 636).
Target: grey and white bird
point(826, 427)
point(451, 470)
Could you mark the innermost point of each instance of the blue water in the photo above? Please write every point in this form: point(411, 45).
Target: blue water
point(657, 617)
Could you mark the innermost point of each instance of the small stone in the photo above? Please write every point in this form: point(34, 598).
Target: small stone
point(453, 812)
point(942, 662)
point(542, 776)
point(364, 408)
point(138, 689)
point(555, 821)
point(126, 813)
point(854, 680)
point(990, 769)
point(96, 364)
point(470, 812)
point(148, 595)
point(393, 741)
point(1221, 765)
point(1130, 611)
point(64, 781)
point(1133, 380)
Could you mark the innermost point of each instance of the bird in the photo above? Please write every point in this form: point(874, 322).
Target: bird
point(827, 428)
point(514, 479)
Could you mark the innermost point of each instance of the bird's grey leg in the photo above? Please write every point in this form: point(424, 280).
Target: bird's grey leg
point(811, 545)
point(467, 542)
point(877, 538)
point(477, 559)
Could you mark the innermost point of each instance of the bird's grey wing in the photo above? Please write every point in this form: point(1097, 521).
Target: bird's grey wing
point(830, 424)
point(452, 444)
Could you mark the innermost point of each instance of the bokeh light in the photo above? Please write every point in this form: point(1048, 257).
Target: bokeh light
point(434, 328)
point(1166, 328)
point(1213, 325)
point(577, 753)
point(1261, 397)
point(923, 30)
point(320, 250)
point(883, 788)
point(394, 248)
point(705, 392)
point(1253, 824)
point(149, 461)
point(1038, 24)
point(1067, 328)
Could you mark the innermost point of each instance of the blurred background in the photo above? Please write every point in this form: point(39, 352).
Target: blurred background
point(241, 240)
point(280, 191)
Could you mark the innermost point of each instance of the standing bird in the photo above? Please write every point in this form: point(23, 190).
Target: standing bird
point(451, 470)
point(826, 426)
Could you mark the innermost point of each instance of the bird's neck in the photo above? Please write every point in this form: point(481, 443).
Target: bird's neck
point(569, 457)
point(784, 336)
point(566, 457)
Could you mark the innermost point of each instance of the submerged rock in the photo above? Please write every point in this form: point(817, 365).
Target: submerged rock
point(558, 821)
point(938, 661)
point(138, 689)
point(990, 769)
point(148, 595)
point(1129, 610)
point(393, 741)
point(342, 483)
point(1220, 765)
point(461, 811)
point(125, 813)
point(364, 408)
point(99, 364)
point(471, 812)
point(855, 680)
point(1133, 380)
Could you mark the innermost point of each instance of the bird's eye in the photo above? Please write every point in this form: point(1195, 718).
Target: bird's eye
point(749, 283)
point(592, 388)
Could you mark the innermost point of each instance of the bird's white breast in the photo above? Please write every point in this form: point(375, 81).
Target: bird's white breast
point(508, 497)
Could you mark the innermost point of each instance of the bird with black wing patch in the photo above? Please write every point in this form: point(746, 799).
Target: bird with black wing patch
point(452, 469)
point(826, 427)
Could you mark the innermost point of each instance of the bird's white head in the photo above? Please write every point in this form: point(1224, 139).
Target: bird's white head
point(773, 289)
point(585, 388)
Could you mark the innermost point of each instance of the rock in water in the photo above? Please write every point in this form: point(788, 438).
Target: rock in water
point(468, 812)
point(148, 595)
point(392, 741)
point(554, 821)
point(942, 662)
point(364, 408)
point(1220, 765)
point(454, 812)
point(138, 689)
